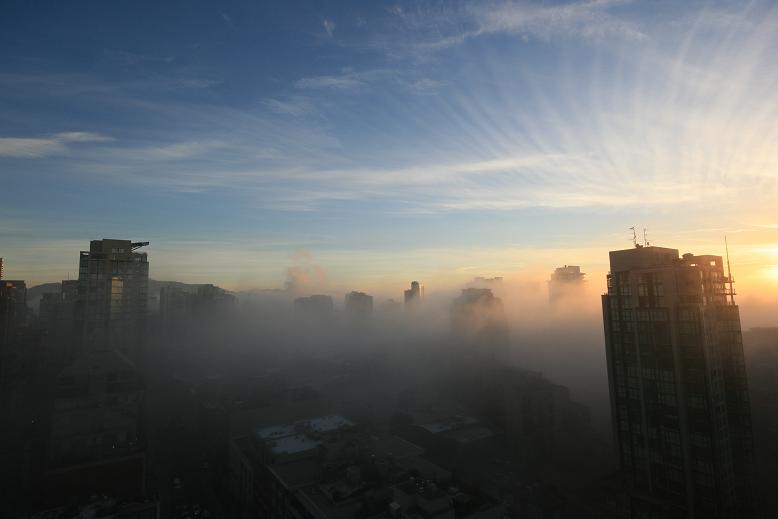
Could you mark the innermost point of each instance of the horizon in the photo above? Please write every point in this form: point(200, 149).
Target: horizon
point(306, 275)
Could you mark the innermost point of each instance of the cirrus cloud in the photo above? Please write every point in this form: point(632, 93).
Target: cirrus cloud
point(36, 147)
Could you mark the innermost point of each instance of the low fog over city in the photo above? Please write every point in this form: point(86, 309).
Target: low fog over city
point(389, 260)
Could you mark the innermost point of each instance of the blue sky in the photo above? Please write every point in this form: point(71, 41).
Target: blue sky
point(388, 140)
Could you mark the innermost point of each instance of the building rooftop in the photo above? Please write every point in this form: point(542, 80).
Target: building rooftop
point(469, 434)
point(297, 474)
point(449, 424)
point(98, 361)
point(302, 435)
point(641, 257)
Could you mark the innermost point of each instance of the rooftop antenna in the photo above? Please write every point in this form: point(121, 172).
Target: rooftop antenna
point(729, 273)
point(645, 238)
point(634, 237)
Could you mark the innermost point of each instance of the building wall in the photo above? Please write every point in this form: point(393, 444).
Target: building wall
point(677, 381)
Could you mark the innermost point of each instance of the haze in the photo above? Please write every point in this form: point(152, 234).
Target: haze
point(343, 260)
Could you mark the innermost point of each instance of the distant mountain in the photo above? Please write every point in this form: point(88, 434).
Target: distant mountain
point(34, 294)
point(155, 286)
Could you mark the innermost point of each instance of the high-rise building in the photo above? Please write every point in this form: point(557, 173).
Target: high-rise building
point(677, 378)
point(13, 354)
point(96, 445)
point(112, 286)
point(175, 303)
point(359, 306)
point(565, 280)
point(413, 295)
point(476, 313)
point(316, 307)
point(13, 307)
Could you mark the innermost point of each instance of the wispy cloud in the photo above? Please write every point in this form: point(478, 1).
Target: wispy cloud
point(82, 137)
point(427, 85)
point(36, 147)
point(29, 148)
point(329, 27)
point(296, 106)
point(431, 28)
point(584, 19)
point(341, 82)
point(182, 150)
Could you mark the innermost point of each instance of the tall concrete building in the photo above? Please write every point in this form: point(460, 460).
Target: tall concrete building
point(679, 397)
point(413, 295)
point(359, 306)
point(479, 323)
point(315, 307)
point(112, 287)
point(96, 445)
point(13, 307)
point(567, 280)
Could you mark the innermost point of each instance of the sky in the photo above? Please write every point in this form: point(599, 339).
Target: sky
point(387, 141)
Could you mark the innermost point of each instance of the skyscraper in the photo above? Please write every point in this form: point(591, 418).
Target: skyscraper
point(359, 306)
point(112, 287)
point(13, 308)
point(564, 281)
point(478, 319)
point(679, 397)
point(316, 307)
point(413, 295)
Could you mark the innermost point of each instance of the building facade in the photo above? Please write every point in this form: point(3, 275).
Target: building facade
point(679, 396)
point(567, 280)
point(112, 296)
point(359, 306)
point(413, 295)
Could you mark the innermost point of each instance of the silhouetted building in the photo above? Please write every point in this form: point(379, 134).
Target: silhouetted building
point(677, 378)
point(390, 307)
point(211, 299)
point(495, 284)
point(327, 468)
point(15, 342)
point(761, 352)
point(359, 306)
point(565, 280)
point(175, 303)
point(56, 319)
point(542, 422)
point(13, 308)
point(113, 284)
point(96, 445)
point(314, 307)
point(413, 295)
point(478, 318)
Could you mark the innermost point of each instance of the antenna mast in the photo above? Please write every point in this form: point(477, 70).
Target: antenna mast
point(729, 273)
point(634, 237)
point(645, 238)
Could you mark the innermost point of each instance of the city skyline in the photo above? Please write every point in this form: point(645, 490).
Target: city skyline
point(388, 142)
point(390, 260)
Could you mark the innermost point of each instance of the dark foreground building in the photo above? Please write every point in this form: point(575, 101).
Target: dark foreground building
point(679, 396)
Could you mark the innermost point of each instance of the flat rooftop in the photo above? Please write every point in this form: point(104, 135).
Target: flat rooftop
point(641, 257)
point(302, 435)
point(448, 424)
